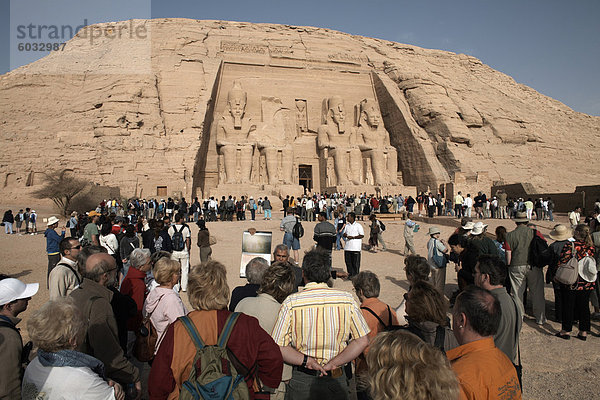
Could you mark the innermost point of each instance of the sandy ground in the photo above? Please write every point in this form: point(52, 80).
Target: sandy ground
point(553, 368)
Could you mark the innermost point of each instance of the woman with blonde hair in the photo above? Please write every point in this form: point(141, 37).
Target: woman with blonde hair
point(575, 298)
point(163, 304)
point(59, 371)
point(401, 366)
point(208, 294)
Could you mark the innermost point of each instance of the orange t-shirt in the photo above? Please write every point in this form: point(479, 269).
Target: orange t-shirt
point(484, 371)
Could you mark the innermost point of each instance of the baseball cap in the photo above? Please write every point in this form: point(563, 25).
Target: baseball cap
point(12, 289)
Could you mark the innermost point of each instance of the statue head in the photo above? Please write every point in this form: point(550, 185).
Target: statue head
point(337, 112)
point(236, 100)
point(369, 112)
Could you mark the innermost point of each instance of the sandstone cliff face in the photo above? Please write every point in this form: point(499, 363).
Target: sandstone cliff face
point(133, 112)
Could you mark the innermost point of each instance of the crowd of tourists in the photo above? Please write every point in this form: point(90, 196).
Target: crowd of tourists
point(114, 304)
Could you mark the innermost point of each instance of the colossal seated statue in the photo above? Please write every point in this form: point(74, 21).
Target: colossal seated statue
point(333, 139)
point(234, 137)
point(274, 137)
point(374, 142)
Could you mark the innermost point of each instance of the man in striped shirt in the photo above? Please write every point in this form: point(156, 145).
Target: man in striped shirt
point(319, 331)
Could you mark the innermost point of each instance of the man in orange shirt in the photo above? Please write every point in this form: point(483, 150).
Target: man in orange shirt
point(483, 371)
point(379, 317)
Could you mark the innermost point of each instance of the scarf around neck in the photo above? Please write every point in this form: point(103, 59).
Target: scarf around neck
point(71, 358)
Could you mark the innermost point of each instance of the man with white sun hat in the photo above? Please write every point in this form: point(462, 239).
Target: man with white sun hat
point(14, 297)
point(52, 243)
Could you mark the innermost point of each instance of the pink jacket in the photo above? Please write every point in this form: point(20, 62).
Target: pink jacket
point(166, 306)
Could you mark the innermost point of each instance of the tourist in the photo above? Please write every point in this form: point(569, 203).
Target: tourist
point(287, 226)
point(468, 205)
point(205, 240)
point(255, 269)
point(575, 298)
point(72, 224)
point(266, 205)
point(562, 236)
point(458, 205)
point(134, 286)
point(161, 240)
point(575, 217)
point(109, 241)
point(59, 371)
point(14, 298)
point(163, 304)
point(90, 231)
point(353, 234)
point(340, 223)
point(319, 351)
point(437, 251)
point(490, 274)
point(8, 220)
point(520, 270)
point(52, 244)
point(93, 298)
point(129, 242)
point(500, 243)
point(379, 317)
point(410, 227)
point(483, 371)
point(250, 344)
point(32, 223)
point(479, 202)
point(467, 259)
point(481, 241)
point(19, 218)
point(426, 315)
point(402, 367)
point(325, 235)
point(181, 241)
point(64, 277)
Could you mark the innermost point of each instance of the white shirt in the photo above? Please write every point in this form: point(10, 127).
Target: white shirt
point(185, 232)
point(354, 229)
point(310, 204)
point(110, 243)
point(61, 383)
point(468, 202)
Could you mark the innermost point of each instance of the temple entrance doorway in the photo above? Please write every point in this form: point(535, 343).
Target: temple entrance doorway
point(305, 177)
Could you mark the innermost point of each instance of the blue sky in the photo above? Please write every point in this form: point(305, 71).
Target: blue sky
point(552, 46)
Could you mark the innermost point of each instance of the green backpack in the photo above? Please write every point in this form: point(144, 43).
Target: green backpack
point(213, 374)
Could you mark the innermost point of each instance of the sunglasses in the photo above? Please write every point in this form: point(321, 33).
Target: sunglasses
point(76, 247)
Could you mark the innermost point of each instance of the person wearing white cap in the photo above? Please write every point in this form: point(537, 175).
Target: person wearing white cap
point(436, 258)
point(52, 243)
point(14, 297)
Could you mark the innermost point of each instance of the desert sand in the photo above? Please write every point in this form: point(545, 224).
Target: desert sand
point(552, 368)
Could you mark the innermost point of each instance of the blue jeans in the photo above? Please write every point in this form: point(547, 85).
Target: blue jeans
point(268, 213)
point(291, 242)
point(8, 228)
point(550, 216)
point(338, 240)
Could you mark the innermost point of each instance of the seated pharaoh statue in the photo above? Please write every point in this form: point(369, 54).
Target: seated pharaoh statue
point(234, 137)
point(333, 139)
point(273, 137)
point(374, 142)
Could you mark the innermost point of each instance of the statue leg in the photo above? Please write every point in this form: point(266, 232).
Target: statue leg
point(378, 167)
point(287, 165)
point(246, 164)
point(355, 166)
point(392, 166)
point(228, 153)
point(341, 166)
point(271, 159)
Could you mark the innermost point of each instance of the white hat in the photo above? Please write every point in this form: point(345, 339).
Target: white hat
point(12, 289)
point(433, 230)
point(587, 269)
point(478, 228)
point(52, 220)
point(33, 211)
point(468, 226)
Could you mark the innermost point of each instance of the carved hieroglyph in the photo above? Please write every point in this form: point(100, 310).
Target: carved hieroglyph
point(335, 140)
point(234, 139)
point(301, 116)
point(374, 142)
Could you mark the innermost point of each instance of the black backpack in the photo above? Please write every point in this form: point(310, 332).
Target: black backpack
point(539, 256)
point(298, 230)
point(382, 226)
point(177, 240)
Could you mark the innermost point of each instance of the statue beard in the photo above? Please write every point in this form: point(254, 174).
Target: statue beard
point(237, 121)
